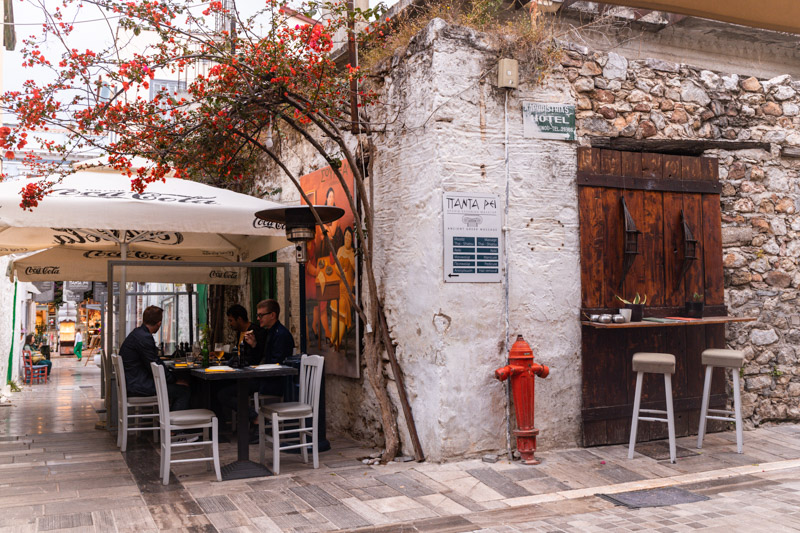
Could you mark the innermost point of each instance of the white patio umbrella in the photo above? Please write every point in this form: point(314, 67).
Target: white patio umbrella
point(92, 216)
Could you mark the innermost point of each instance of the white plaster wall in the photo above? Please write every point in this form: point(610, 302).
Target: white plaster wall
point(7, 333)
point(451, 336)
point(445, 132)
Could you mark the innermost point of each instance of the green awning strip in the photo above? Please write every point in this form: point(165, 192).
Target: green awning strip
point(13, 326)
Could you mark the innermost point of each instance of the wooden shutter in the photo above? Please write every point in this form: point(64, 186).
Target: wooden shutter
point(656, 188)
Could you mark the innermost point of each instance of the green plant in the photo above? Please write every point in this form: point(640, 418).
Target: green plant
point(205, 335)
point(697, 297)
point(14, 386)
point(638, 300)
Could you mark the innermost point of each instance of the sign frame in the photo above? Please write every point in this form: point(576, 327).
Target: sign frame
point(542, 120)
point(473, 238)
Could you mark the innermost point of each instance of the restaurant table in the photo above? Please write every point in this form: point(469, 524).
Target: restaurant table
point(243, 467)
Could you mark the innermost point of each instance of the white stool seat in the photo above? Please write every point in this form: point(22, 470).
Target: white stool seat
point(723, 358)
point(653, 363)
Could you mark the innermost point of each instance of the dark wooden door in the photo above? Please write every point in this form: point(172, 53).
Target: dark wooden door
point(661, 192)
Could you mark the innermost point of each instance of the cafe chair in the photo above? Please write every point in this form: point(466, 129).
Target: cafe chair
point(653, 363)
point(127, 421)
point(734, 360)
point(307, 407)
point(33, 373)
point(181, 421)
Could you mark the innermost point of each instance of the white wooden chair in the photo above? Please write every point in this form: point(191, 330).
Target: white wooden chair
point(135, 403)
point(307, 407)
point(180, 421)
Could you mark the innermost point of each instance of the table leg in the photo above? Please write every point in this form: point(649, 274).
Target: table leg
point(243, 468)
point(242, 420)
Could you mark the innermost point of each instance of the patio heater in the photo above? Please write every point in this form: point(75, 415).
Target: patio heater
point(300, 226)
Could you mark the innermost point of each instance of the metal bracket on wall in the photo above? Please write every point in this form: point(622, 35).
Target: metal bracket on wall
point(631, 243)
point(689, 250)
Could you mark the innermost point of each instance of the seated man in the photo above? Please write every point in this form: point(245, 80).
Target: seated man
point(278, 345)
point(238, 322)
point(138, 351)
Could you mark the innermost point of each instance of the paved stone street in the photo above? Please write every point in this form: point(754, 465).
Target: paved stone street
point(57, 472)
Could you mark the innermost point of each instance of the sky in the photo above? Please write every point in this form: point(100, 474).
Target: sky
point(91, 32)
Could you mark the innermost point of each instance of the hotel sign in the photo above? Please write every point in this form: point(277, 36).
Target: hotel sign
point(548, 121)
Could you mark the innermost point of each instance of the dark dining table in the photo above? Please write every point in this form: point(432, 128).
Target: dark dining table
point(243, 467)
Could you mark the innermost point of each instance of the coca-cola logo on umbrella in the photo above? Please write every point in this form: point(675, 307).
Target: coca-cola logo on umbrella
point(78, 236)
point(42, 270)
point(147, 196)
point(223, 274)
point(260, 223)
point(135, 254)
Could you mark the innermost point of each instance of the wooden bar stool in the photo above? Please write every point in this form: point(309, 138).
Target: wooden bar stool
point(733, 359)
point(653, 363)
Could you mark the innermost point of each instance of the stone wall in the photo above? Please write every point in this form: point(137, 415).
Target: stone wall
point(655, 99)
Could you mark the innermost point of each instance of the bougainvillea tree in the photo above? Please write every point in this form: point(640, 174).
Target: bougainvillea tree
point(247, 81)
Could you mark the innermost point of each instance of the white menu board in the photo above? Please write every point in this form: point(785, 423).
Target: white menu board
point(472, 238)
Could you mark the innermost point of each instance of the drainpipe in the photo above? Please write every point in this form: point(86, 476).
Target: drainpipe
point(508, 278)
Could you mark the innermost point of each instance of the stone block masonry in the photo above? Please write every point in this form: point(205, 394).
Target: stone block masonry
point(654, 99)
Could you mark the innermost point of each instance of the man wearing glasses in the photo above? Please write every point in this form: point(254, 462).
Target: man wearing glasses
point(277, 346)
point(279, 343)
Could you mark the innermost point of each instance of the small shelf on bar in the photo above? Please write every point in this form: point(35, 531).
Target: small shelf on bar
point(646, 324)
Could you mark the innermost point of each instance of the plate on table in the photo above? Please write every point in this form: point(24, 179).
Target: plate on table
point(266, 366)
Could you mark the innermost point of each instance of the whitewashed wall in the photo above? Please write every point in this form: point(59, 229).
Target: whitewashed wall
point(451, 336)
point(446, 131)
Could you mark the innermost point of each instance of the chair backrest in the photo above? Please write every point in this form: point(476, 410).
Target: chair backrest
point(122, 386)
point(310, 380)
point(161, 392)
point(27, 360)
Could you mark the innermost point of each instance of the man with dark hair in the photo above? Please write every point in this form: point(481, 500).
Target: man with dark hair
point(277, 346)
point(238, 322)
point(138, 351)
point(279, 343)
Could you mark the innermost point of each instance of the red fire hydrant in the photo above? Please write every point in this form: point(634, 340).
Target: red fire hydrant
point(522, 370)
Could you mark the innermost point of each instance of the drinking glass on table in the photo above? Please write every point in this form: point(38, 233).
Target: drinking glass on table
point(219, 352)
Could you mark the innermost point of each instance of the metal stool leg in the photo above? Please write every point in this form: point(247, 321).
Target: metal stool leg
point(635, 419)
point(670, 417)
point(737, 407)
point(704, 406)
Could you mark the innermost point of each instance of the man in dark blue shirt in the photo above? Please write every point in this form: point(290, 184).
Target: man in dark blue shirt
point(138, 351)
point(277, 345)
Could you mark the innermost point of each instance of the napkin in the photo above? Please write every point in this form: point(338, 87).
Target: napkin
point(222, 368)
point(266, 366)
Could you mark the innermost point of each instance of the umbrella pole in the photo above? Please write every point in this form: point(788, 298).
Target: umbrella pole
point(190, 290)
point(123, 296)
